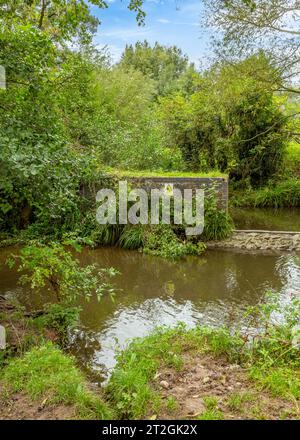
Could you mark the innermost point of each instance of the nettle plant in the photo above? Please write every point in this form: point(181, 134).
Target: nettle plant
point(53, 267)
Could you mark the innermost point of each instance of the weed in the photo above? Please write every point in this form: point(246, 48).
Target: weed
point(211, 414)
point(210, 402)
point(236, 400)
point(171, 404)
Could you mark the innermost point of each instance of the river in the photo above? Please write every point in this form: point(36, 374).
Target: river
point(213, 289)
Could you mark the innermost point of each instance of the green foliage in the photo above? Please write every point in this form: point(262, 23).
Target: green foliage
point(171, 404)
point(231, 123)
point(292, 160)
point(132, 237)
point(275, 361)
point(63, 20)
point(236, 400)
point(40, 171)
point(127, 132)
point(168, 67)
point(211, 414)
point(162, 241)
point(244, 27)
point(211, 402)
point(107, 235)
point(129, 387)
point(55, 268)
point(45, 373)
point(58, 317)
point(276, 195)
point(217, 222)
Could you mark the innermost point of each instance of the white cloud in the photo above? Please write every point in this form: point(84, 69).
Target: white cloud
point(177, 23)
point(126, 33)
point(163, 20)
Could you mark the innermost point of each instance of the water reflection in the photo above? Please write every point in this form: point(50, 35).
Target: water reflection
point(214, 289)
point(284, 219)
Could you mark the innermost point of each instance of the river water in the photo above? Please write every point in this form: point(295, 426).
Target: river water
point(214, 289)
point(285, 219)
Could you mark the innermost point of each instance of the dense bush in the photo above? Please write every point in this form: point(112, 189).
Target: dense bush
point(231, 123)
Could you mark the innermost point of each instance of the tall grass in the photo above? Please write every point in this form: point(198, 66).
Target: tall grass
point(218, 224)
point(284, 194)
point(132, 237)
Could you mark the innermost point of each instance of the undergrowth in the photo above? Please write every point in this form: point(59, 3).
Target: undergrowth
point(279, 195)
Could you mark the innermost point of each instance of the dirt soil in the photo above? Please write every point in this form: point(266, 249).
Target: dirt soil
point(205, 380)
point(18, 406)
point(18, 329)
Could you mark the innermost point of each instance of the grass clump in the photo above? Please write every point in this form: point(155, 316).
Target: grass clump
point(211, 414)
point(171, 404)
point(285, 194)
point(236, 401)
point(212, 411)
point(129, 387)
point(274, 353)
point(132, 237)
point(210, 402)
point(45, 372)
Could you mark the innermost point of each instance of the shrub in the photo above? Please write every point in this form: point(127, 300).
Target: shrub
point(55, 268)
point(161, 240)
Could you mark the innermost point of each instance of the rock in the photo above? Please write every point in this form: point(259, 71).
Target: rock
point(194, 407)
point(164, 384)
point(206, 379)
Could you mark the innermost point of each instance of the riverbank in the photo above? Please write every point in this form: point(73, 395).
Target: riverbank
point(200, 373)
point(38, 380)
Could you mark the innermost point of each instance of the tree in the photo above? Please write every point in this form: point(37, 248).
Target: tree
point(165, 65)
point(64, 20)
point(249, 25)
point(232, 123)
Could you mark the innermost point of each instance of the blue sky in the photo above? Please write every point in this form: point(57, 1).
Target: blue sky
point(170, 22)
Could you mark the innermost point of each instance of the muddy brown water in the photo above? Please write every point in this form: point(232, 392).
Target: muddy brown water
point(213, 289)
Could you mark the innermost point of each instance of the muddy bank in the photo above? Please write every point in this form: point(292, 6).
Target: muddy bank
point(210, 387)
point(259, 241)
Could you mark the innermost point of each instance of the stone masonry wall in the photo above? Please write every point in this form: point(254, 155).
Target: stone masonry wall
point(218, 185)
point(259, 240)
